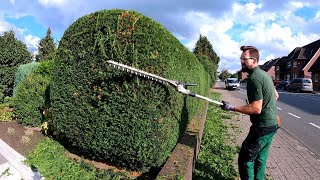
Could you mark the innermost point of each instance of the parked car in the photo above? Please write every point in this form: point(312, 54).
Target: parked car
point(282, 85)
point(232, 83)
point(300, 85)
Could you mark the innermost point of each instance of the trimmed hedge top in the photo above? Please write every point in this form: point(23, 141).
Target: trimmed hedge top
point(114, 115)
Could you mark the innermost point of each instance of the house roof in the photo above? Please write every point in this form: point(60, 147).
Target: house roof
point(281, 60)
point(294, 54)
point(305, 52)
point(315, 66)
point(267, 65)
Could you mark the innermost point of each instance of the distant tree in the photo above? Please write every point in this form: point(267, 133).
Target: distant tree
point(203, 48)
point(46, 47)
point(235, 75)
point(13, 53)
point(224, 75)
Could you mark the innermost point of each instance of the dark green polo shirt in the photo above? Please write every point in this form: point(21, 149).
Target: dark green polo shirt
point(260, 86)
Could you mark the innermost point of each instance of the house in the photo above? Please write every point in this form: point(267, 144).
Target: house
point(269, 67)
point(315, 71)
point(298, 62)
point(282, 69)
point(242, 76)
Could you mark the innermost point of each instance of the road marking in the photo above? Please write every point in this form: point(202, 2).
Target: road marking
point(294, 115)
point(279, 108)
point(242, 92)
point(314, 125)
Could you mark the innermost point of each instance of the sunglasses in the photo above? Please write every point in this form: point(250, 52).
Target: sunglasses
point(246, 58)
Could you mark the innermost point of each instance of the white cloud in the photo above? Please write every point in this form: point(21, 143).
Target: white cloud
point(317, 17)
point(51, 3)
point(12, 1)
point(215, 30)
point(32, 42)
point(4, 26)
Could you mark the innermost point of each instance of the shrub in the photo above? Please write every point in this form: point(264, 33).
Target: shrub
point(32, 95)
point(209, 67)
point(23, 71)
point(114, 115)
point(6, 112)
point(13, 53)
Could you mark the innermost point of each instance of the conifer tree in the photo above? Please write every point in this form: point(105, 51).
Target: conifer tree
point(46, 47)
point(13, 53)
point(204, 49)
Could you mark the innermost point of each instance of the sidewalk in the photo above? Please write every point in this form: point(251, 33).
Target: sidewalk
point(12, 167)
point(289, 159)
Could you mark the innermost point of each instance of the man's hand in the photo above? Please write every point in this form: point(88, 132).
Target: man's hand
point(226, 106)
point(183, 90)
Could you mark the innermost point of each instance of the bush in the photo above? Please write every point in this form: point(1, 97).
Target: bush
point(209, 67)
point(6, 112)
point(23, 71)
point(13, 53)
point(32, 95)
point(114, 115)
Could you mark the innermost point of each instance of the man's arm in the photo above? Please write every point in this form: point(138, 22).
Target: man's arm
point(277, 94)
point(254, 107)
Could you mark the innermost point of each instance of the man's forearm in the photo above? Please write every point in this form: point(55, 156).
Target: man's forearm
point(247, 109)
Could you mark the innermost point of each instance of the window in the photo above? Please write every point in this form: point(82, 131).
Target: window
point(289, 64)
point(288, 77)
point(277, 68)
point(294, 75)
point(316, 77)
point(294, 63)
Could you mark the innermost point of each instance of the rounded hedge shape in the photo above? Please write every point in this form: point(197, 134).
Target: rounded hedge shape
point(114, 115)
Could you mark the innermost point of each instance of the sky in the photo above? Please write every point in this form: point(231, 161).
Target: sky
point(275, 27)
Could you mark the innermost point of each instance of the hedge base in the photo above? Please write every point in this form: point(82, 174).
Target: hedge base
point(182, 161)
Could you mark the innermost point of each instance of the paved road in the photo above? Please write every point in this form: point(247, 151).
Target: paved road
point(300, 115)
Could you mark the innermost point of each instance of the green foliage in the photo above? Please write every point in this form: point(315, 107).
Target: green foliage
point(209, 67)
point(32, 95)
point(224, 75)
point(46, 47)
point(49, 158)
point(22, 72)
point(6, 112)
point(207, 57)
point(215, 159)
point(13, 53)
point(235, 75)
point(114, 115)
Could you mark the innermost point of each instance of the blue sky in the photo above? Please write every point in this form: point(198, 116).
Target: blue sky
point(275, 27)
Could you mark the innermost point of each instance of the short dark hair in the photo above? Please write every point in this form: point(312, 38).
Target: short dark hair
point(254, 52)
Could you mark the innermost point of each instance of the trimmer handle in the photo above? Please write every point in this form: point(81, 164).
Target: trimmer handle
point(185, 84)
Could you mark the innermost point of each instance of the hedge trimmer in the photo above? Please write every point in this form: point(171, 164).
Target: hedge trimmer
point(180, 86)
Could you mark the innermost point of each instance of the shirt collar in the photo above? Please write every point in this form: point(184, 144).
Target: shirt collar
point(252, 70)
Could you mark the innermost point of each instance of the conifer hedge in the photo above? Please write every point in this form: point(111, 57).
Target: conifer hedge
point(31, 95)
point(114, 115)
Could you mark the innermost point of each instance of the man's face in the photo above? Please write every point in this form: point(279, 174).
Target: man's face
point(246, 61)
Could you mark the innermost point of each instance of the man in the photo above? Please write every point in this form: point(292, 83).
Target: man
point(263, 115)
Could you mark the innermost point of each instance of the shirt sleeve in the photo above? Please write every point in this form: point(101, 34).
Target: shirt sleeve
point(254, 90)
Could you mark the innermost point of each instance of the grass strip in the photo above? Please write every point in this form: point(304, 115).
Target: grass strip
point(215, 159)
point(50, 160)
